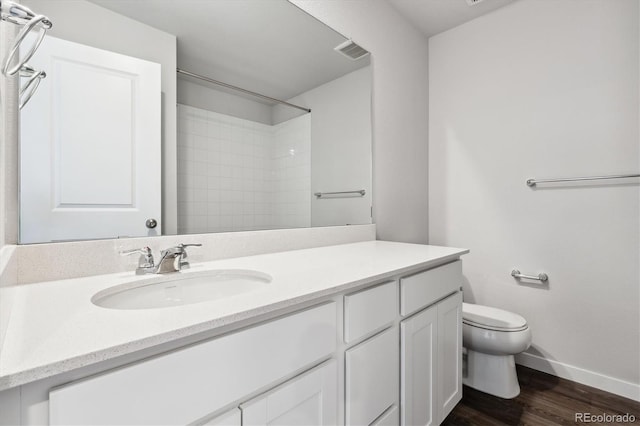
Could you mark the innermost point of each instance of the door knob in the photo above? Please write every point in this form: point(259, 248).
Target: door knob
point(151, 223)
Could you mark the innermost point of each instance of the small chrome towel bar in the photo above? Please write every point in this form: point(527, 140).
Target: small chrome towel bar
point(359, 192)
point(540, 277)
point(534, 182)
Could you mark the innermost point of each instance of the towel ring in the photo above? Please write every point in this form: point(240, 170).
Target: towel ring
point(19, 14)
point(20, 38)
point(29, 89)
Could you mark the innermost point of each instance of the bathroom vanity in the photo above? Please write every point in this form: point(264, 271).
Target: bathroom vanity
point(355, 334)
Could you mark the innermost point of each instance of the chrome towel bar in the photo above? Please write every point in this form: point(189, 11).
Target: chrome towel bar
point(359, 192)
point(534, 182)
point(540, 277)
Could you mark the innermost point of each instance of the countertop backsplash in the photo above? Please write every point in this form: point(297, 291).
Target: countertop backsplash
point(32, 263)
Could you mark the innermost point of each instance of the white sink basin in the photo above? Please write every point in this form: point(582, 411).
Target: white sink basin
point(181, 289)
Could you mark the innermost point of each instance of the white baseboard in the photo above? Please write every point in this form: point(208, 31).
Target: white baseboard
point(580, 375)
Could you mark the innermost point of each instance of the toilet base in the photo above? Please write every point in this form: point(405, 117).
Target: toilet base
point(492, 374)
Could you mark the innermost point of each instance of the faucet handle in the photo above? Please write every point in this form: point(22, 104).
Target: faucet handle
point(183, 263)
point(182, 247)
point(189, 245)
point(146, 256)
point(142, 250)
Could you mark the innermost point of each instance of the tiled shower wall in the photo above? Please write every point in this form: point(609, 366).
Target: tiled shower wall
point(239, 175)
point(291, 173)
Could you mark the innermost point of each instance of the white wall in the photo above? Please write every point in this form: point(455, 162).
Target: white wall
point(87, 23)
point(341, 146)
point(400, 110)
point(545, 88)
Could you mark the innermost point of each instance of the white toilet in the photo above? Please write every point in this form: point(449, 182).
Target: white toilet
point(492, 337)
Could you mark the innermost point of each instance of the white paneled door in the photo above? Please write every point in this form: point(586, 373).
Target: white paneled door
point(418, 336)
point(449, 354)
point(90, 146)
point(371, 378)
point(309, 400)
point(431, 345)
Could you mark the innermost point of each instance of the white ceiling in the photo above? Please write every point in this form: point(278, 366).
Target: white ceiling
point(270, 47)
point(435, 16)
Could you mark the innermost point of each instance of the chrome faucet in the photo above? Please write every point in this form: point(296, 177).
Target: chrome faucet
point(171, 259)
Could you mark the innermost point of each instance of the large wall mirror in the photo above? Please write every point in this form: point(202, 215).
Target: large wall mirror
point(139, 128)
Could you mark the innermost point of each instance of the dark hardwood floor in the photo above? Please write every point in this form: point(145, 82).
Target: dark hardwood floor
point(544, 400)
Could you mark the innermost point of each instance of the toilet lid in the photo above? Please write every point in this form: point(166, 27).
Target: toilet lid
point(492, 318)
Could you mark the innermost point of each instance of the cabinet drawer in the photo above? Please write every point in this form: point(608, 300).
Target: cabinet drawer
point(371, 378)
point(185, 385)
point(424, 288)
point(369, 310)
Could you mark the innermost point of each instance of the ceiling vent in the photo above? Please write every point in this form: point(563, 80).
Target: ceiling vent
point(351, 50)
point(473, 2)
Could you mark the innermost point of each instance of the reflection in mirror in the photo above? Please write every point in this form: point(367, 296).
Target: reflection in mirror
point(117, 141)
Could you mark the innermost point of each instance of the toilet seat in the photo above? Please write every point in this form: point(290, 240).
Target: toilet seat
point(492, 318)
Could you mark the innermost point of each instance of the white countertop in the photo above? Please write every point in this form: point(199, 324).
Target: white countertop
point(53, 327)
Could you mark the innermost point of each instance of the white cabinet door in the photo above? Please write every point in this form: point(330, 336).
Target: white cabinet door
point(232, 417)
point(418, 341)
point(449, 381)
point(431, 366)
point(371, 377)
point(310, 399)
point(90, 146)
point(388, 418)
